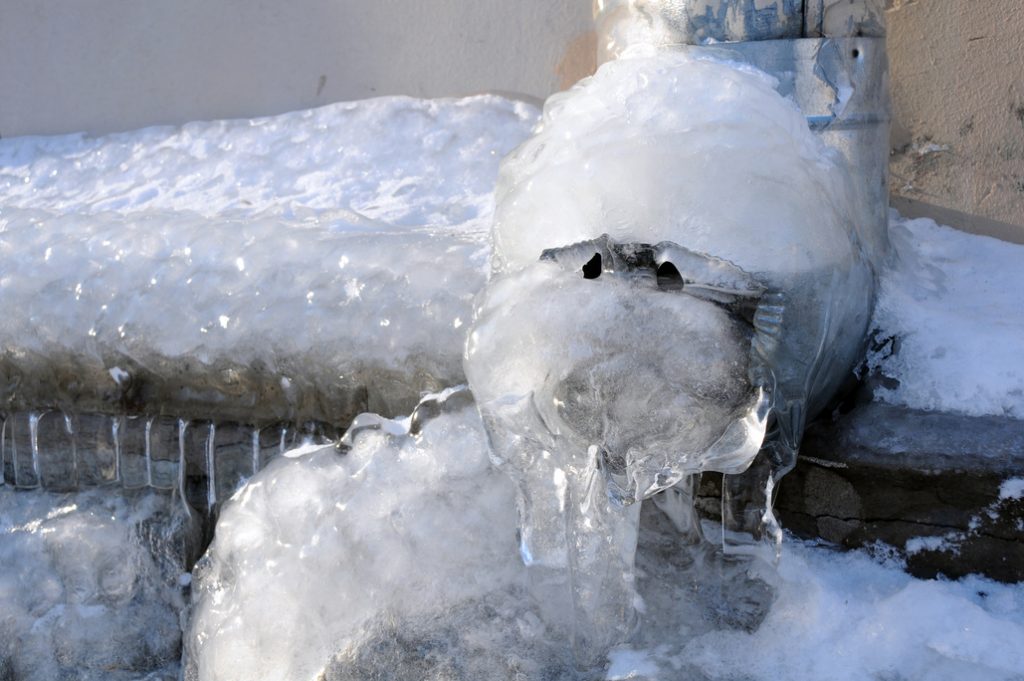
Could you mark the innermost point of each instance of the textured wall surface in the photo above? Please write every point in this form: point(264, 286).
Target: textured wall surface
point(958, 102)
point(104, 65)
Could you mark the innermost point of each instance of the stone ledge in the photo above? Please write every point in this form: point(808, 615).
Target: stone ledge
point(891, 474)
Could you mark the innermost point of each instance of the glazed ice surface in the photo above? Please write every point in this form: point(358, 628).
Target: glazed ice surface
point(676, 266)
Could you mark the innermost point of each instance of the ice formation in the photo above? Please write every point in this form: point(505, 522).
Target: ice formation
point(676, 268)
point(393, 555)
point(301, 267)
point(92, 584)
point(398, 560)
point(401, 557)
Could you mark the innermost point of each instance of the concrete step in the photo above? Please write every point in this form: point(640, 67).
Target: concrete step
point(928, 484)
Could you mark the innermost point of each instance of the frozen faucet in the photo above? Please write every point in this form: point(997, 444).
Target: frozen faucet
point(683, 274)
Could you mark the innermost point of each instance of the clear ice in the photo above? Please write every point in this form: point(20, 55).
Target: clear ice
point(391, 555)
point(92, 584)
point(677, 283)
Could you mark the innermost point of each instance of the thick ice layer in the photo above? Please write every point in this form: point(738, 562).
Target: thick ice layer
point(398, 560)
point(91, 585)
point(653, 148)
point(306, 266)
point(705, 162)
point(729, 288)
point(952, 301)
point(326, 554)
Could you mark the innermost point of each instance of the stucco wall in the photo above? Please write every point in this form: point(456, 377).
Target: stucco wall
point(957, 71)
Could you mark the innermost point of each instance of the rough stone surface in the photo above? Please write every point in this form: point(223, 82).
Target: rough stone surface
point(895, 475)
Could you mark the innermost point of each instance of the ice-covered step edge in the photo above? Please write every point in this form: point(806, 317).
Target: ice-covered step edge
point(940, 492)
point(250, 320)
point(307, 266)
point(203, 462)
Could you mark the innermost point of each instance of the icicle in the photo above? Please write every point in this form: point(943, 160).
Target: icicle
point(211, 469)
point(149, 452)
point(33, 427)
point(255, 451)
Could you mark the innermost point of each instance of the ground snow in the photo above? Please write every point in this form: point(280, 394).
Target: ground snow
point(953, 301)
point(844, 616)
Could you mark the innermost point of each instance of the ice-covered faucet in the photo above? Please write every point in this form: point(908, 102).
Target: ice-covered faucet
point(683, 273)
point(828, 56)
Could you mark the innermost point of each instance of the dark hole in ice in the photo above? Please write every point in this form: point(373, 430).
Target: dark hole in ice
point(592, 270)
point(669, 277)
point(855, 54)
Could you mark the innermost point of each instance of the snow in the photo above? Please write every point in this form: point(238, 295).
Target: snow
point(1012, 488)
point(404, 161)
point(919, 544)
point(953, 302)
point(90, 585)
point(338, 249)
point(400, 558)
point(844, 616)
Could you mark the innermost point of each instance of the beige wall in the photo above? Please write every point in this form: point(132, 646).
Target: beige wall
point(103, 65)
point(958, 112)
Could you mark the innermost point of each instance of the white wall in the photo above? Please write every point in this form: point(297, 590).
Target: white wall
point(104, 65)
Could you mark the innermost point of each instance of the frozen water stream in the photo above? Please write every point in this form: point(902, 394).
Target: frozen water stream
point(678, 283)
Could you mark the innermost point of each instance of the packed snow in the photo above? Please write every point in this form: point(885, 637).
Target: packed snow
point(91, 585)
point(953, 303)
point(398, 560)
point(314, 259)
